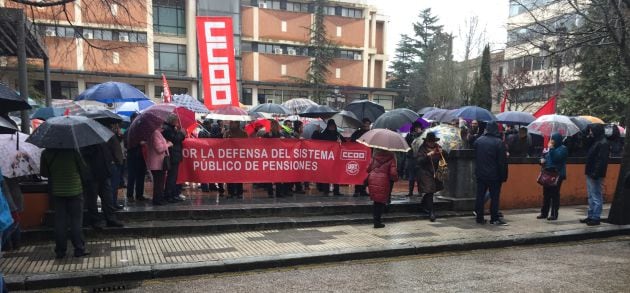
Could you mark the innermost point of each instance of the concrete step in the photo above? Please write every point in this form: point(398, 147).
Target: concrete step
point(158, 228)
point(186, 211)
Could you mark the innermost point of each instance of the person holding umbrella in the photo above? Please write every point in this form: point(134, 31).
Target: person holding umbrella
point(136, 168)
point(555, 158)
point(156, 150)
point(172, 132)
point(416, 131)
point(359, 190)
point(63, 168)
point(427, 159)
point(330, 134)
point(382, 172)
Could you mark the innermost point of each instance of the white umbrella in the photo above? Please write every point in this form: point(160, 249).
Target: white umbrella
point(546, 125)
point(18, 159)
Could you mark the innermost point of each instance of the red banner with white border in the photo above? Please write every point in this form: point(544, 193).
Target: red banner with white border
point(255, 160)
point(215, 38)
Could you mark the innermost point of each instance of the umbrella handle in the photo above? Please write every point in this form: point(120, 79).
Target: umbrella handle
point(17, 143)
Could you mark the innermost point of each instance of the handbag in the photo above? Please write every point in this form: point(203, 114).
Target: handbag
point(441, 173)
point(548, 177)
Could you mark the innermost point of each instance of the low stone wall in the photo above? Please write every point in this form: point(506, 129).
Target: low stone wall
point(521, 189)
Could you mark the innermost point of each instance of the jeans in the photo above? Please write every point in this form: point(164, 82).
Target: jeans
point(595, 198)
point(136, 170)
point(411, 176)
point(171, 190)
point(68, 213)
point(116, 172)
point(494, 186)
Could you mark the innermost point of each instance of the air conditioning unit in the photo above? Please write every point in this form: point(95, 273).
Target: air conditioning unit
point(123, 38)
point(291, 51)
point(278, 51)
point(50, 33)
point(357, 56)
point(88, 36)
point(262, 5)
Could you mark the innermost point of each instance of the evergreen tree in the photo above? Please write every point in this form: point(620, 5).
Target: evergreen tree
point(482, 94)
point(322, 51)
point(602, 89)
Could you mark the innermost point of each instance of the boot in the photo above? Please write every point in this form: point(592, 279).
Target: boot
point(423, 204)
point(554, 215)
point(430, 207)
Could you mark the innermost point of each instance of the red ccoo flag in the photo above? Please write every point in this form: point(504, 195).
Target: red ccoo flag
point(548, 108)
point(166, 93)
point(504, 101)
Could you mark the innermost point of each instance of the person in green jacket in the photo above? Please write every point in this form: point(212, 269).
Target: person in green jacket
point(63, 168)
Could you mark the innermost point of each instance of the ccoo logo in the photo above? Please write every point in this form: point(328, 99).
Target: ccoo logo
point(353, 155)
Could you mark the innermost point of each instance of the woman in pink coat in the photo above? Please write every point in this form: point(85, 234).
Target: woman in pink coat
point(157, 149)
point(382, 172)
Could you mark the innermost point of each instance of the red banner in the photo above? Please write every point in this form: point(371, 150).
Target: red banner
point(548, 108)
point(216, 59)
point(259, 160)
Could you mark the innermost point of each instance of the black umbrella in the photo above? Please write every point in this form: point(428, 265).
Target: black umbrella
point(271, 108)
point(10, 100)
point(515, 118)
point(7, 126)
point(395, 119)
point(46, 113)
point(318, 111)
point(103, 116)
point(581, 123)
point(425, 110)
point(440, 115)
point(365, 109)
point(69, 132)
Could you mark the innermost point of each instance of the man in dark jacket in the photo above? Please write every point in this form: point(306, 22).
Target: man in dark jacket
point(330, 134)
point(595, 170)
point(359, 190)
point(491, 171)
point(172, 132)
point(97, 183)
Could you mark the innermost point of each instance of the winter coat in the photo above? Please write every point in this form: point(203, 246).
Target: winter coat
point(381, 171)
point(331, 135)
point(491, 156)
point(157, 149)
point(598, 153)
point(426, 166)
point(176, 137)
point(557, 157)
point(358, 133)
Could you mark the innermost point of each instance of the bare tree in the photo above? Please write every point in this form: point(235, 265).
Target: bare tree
point(604, 23)
point(473, 37)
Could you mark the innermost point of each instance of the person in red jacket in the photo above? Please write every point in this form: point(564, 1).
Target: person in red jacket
point(382, 172)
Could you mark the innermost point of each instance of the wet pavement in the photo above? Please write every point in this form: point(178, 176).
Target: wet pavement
point(150, 257)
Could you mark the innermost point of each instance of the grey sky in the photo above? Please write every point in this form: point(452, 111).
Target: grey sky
point(452, 14)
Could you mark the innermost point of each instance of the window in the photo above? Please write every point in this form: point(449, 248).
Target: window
point(246, 97)
point(169, 17)
point(67, 89)
point(386, 101)
point(297, 7)
point(352, 55)
point(170, 59)
point(349, 12)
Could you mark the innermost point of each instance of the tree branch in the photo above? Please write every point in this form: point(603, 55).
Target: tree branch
point(42, 3)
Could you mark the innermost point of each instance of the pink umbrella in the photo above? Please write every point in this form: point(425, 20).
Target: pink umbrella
point(384, 139)
point(230, 113)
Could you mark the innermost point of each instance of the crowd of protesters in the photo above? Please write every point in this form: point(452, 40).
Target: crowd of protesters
point(77, 179)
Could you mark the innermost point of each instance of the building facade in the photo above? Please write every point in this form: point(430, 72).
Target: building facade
point(138, 41)
point(534, 72)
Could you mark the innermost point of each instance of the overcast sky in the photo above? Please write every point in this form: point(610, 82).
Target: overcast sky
point(452, 14)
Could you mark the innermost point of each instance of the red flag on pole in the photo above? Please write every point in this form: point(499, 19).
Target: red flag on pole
point(167, 90)
point(505, 95)
point(548, 108)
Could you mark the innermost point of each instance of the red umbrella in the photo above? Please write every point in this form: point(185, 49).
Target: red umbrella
point(253, 127)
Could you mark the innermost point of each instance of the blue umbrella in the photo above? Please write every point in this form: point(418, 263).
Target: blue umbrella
point(515, 118)
point(440, 115)
point(112, 92)
point(47, 113)
point(128, 108)
point(475, 113)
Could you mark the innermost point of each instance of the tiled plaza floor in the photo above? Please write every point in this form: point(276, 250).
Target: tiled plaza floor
point(120, 253)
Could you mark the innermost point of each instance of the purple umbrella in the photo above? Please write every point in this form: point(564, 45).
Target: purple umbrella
point(407, 127)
